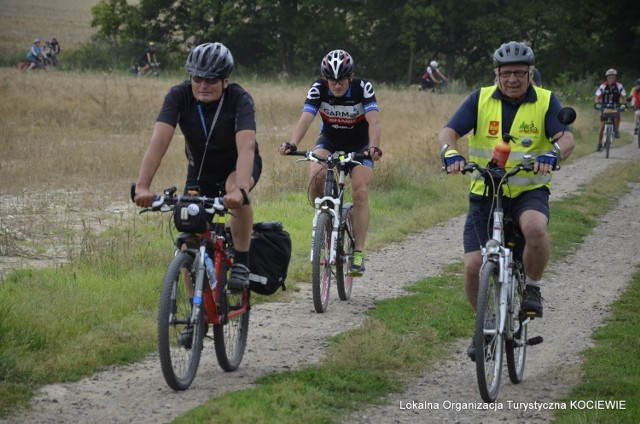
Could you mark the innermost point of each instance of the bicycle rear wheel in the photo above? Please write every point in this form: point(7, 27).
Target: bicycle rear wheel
point(516, 349)
point(344, 280)
point(179, 356)
point(321, 264)
point(488, 342)
point(607, 139)
point(230, 337)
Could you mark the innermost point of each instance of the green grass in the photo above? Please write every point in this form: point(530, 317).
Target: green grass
point(611, 368)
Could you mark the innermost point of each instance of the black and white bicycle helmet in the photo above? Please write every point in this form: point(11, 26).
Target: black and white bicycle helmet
point(513, 52)
point(210, 60)
point(337, 64)
point(611, 72)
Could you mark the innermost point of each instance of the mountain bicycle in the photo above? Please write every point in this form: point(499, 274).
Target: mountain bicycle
point(501, 325)
point(332, 238)
point(609, 113)
point(194, 292)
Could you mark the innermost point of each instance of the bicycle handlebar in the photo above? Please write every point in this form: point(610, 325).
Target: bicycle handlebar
point(169, 198)
point(334, 158)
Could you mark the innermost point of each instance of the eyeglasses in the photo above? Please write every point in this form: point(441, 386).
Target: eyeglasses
point(341, 81)
point(209, 81)
point(518, 74)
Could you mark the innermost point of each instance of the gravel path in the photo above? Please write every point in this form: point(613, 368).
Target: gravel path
point(577, 294)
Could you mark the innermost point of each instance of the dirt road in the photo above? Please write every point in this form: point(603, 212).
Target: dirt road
point(577, 295)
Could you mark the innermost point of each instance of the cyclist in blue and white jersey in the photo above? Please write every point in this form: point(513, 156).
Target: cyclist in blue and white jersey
point(350, 123)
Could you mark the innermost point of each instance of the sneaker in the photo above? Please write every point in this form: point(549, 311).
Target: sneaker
point(186, 337)
point(239, 279)
point(471, 350)
point(357, 264)
point(599, 147)
point(616, 134)
point(532, 302)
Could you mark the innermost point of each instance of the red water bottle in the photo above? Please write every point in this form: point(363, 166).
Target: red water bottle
point(501, 152)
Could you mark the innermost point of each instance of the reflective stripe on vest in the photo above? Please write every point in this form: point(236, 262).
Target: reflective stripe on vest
point(528, 122)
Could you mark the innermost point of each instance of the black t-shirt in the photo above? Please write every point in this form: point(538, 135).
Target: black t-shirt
point(343, 120)
point(237, 113)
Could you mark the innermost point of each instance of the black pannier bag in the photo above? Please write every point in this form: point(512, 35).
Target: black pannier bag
point(269, 257)
point(190, 217)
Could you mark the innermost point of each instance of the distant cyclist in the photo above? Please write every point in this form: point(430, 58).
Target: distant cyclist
point(35, 55)
point(610, 92)
point(147, 59)
point(432, 78)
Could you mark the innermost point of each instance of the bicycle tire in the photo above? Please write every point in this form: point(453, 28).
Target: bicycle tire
point(230, 336)
point(320, 263)
point(516, 349)
point(607, 139)
point(179, 363)
point(488, 346)
point(344, 279)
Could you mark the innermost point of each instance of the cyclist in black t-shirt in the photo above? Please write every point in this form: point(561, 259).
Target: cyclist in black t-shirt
point(217, 119)
point(350, 123)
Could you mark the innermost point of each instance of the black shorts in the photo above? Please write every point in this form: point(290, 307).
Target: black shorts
point(214, 184)
point(479, 219)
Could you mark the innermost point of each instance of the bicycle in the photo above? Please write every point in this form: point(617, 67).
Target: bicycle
point(332, 238)
point(194, 292)
point(501, 325)
point(609, 112)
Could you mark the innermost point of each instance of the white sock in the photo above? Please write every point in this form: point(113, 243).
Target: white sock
point(533, 283)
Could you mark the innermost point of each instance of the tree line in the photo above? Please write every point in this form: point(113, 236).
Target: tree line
point(390, 40)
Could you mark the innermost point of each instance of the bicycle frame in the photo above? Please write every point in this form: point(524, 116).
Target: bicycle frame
point(332, 205)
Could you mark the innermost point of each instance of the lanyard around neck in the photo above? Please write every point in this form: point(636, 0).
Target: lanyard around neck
point(204, 127)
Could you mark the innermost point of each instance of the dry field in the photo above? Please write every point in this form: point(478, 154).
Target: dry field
point(23, 20)
point(71, 143)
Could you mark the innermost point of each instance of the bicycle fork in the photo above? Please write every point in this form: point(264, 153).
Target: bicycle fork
point(198, 289)
point(335, 223)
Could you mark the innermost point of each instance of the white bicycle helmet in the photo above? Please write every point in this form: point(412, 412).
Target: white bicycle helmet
point(210, 60)
point(513, 52)
point(337, 64)
point(611, 72)
point(433, 64)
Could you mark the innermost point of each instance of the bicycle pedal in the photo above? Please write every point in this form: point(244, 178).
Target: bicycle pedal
point(535, 340)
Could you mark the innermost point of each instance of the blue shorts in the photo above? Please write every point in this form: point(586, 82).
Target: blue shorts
point(324, 143)
point(479, 219)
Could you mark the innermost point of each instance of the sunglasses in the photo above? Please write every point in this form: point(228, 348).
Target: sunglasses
point(209, 81)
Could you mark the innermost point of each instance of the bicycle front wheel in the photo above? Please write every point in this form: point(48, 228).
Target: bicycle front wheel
point(321, 262)
point(179, 342)
point(607, 139)
point(516, 349)
point(230, 336)
point(488, 341)
point(344, 280)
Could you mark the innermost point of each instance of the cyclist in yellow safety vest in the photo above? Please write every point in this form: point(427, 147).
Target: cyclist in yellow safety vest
point(516, 106)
